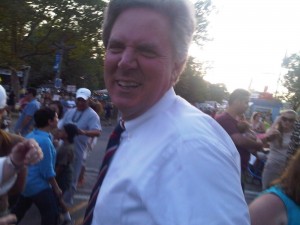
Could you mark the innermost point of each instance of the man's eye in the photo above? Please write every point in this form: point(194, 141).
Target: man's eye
point(149, 53)
point(115, 48)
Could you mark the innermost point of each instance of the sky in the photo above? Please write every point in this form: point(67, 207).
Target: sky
point(250, 40)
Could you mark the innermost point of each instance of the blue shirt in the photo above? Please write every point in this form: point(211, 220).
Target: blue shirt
point(29, 110)
point(292, 209)
point(39, 174)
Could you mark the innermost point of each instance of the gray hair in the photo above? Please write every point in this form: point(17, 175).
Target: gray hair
point(179, 12)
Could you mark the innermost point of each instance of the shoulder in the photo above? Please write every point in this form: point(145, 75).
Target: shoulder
point(42, 138)
point(15, 138)
point(190, 127)
point(69, 112)
point(268, 209)
point(91, 115)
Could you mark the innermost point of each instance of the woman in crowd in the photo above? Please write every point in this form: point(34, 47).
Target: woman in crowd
point(257, 123)
point(278, 138)
point(280, 204)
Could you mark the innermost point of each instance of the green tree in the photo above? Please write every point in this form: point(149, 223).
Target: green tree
point(203, 9)
point(217, 92)
point(31, 31)
point(291, 80)
point(191, 85)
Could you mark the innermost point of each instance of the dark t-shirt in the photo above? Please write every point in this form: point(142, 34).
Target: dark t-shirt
point(230, 126)
point(64, 159)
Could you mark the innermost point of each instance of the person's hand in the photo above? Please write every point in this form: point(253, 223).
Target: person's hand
point(8, 219)
point(81, 132)
point(26, 153)
point(259, 141)
point(272, 133)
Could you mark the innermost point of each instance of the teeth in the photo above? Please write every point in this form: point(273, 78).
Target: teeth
point(127, 84)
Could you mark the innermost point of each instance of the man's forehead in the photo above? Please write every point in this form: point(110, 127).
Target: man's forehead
point(81, 99)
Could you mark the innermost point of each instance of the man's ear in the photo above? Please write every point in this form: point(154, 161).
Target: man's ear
point(177, 70)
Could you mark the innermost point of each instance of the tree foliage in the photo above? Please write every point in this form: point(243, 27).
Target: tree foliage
point(33, 31)
point(194, 88)
point(203, 9)
point(291, 80)
point(192, 85)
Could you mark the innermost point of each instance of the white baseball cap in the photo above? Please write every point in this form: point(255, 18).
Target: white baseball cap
point(3, 97)
point(83, 93)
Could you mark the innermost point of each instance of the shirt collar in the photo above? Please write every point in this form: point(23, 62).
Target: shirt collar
point(166, 100)
point(43, 133)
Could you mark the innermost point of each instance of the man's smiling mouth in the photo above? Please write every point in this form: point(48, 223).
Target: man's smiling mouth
point(128, 84)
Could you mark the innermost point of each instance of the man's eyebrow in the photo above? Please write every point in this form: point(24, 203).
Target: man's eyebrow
point(147, 46)
point(114, 41)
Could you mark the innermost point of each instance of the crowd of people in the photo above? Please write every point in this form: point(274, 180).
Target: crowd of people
point(166, 162)
point(63, 136)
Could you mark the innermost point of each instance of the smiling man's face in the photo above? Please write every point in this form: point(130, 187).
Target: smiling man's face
point(139, 64)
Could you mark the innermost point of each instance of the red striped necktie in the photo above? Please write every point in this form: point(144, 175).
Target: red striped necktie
point(111, 148)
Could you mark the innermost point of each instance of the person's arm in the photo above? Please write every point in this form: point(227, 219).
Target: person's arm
point(89, 133)
point(8, 219)
point(241, 141)
point(270, 135)
point(93, 127)
point(267, 209)
point(25, 122)
point(55, 187)
point(24, 153)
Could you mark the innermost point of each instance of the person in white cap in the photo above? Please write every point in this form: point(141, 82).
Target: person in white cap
point(88, 123)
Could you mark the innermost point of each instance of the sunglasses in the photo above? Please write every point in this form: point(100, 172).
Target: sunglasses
point(285, 119)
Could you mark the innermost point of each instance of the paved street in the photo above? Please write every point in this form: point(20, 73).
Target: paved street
point(93, 163)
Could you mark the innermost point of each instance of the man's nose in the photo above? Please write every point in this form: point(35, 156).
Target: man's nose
point(128, 59)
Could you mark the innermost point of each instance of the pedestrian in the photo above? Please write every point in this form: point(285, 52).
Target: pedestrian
point(11, 101)
point(25, 121)
point(7, 142)
point(92, 141)
point(108, 110)
point(294, 144)
point(88, 124)
point(23, 154)
point(237, 106)
point(63, 168)
point(257, 123)
point(172, 164)
point(41, 187)
point(278, 137)
point(280, 204)
point(16, 155)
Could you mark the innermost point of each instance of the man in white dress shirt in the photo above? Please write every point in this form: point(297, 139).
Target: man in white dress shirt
point(174, 164)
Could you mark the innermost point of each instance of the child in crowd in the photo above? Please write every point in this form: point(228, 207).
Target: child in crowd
point(64, 160)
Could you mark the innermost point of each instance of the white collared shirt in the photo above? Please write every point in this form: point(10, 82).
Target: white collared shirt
point(175, 165)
